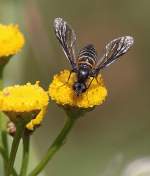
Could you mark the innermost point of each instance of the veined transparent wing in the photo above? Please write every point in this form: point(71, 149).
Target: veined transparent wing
point(67, 38)
point(113, 51)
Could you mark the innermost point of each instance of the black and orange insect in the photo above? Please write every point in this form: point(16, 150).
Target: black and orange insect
point(87, 63)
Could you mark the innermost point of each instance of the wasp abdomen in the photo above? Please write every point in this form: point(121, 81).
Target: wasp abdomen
point(87, 56)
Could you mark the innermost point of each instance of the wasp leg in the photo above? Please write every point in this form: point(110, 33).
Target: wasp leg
point(97, 80)
point(90, 82)
point(69, 75)
point(88, 87)
point(67, 79)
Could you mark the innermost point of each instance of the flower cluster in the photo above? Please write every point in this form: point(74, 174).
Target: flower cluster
point(20, 99)
point(11, 40)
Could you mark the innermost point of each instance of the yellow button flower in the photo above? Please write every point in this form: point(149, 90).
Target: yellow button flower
point(21, 99)
point(61, 91)
point(11, 40)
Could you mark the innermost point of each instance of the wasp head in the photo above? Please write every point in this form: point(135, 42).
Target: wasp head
point(79, 88)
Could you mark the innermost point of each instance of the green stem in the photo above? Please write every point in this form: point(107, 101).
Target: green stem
point(19, 132)
point(4, 138)
point(3, 154)
point(58, 142)
point(25, 158)
point(5, 146)
point(5, 142)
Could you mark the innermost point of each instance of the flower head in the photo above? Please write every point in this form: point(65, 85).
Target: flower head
point(62, 92)
point(11, 40)
point(18, 100)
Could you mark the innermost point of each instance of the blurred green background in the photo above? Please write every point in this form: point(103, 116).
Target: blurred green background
point(114, 139)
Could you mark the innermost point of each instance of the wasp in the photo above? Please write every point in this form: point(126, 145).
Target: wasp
point(87, 63)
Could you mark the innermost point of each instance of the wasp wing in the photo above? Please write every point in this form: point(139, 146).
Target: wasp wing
point(67, 38)
point(113, 51)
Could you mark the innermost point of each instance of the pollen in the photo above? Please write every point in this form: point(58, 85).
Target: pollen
point(61, 91)
point(23, 99)
point(11, 40)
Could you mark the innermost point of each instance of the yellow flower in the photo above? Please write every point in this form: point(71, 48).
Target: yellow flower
point(18, 100)
point(11, 40)
point(62, 92)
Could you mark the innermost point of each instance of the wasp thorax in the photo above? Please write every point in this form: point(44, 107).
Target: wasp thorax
point(79, 88)
point(83, 73)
